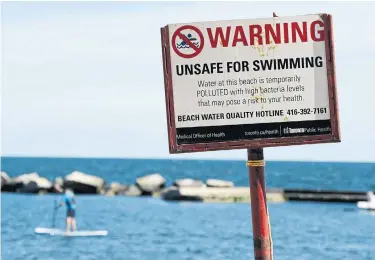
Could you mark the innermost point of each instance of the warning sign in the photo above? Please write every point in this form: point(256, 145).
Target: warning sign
point(187, 41)
point(240, 83)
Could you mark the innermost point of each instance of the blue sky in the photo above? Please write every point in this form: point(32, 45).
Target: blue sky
point(74, 77)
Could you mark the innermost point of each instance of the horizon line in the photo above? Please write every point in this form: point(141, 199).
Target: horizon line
point(171, 159)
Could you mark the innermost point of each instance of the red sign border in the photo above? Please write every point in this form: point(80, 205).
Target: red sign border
point(174, 36)
point(334, 137)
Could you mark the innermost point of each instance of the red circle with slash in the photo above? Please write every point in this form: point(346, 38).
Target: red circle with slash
point(196, 49)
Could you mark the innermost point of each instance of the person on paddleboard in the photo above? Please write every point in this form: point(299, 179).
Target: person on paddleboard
point(69, 201)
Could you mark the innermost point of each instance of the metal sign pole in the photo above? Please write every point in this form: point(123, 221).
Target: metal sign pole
point(259, 211)
point(262, 239)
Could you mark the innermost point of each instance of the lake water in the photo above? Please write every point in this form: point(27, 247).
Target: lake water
point(149, 229)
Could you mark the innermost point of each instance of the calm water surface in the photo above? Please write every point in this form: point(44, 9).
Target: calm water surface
point(146, 228)
point(151, 229)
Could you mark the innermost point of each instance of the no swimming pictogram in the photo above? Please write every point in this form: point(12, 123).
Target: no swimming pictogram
point(187, 41)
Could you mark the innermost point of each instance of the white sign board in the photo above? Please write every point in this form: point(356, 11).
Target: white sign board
point(249, 79)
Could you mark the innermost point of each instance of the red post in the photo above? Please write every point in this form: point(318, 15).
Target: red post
point(259, 211)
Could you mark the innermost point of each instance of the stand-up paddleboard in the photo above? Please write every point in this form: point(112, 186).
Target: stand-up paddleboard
point(78, 233)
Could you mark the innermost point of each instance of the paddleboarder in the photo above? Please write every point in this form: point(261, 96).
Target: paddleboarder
point(69, 201)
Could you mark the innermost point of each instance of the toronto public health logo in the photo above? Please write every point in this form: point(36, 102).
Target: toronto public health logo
point(288, 130)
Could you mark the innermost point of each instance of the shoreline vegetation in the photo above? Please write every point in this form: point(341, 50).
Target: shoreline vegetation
point(155, 185)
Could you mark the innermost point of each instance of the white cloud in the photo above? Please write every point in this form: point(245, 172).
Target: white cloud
point(94, 77)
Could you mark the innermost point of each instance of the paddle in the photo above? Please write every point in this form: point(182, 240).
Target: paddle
point(55, 208)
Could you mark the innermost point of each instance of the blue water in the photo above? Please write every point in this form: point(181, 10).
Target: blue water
point(149, 229)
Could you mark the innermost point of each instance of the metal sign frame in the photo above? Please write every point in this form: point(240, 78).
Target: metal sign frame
point(334, 137)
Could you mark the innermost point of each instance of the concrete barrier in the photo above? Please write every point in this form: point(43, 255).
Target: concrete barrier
point(242, 194)
point(324, 195)
point(210, 194)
